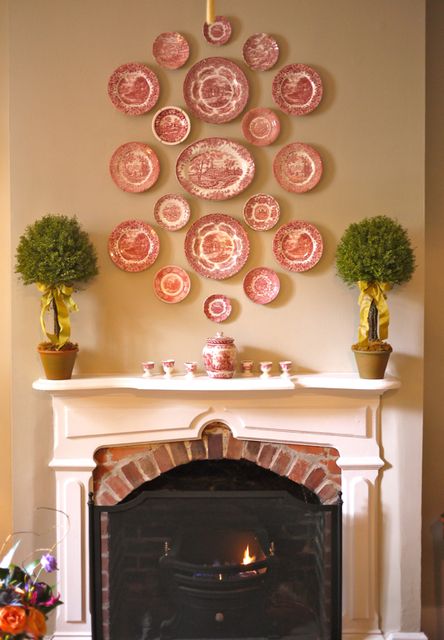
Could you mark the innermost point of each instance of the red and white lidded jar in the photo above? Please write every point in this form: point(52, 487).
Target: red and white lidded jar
point(219, 356)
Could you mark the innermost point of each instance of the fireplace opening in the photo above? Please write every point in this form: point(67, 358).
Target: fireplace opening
point(216, 549)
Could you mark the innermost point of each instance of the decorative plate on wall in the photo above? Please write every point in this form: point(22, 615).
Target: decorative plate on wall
point(260, 126)
point(260, 52)
point(217, 246)
point(216, 90)
point(217, 307)
point(262, 285)
point(298, 246)
point(171, 284)
point(297, 89)
point(134, 167)
point(297, 167)
point(133, 245)
point(215, 168)
point(171, 50)
point(172, 212)
point(261, 212)
point(133, 88)
point(218, 32)
point(171, 125)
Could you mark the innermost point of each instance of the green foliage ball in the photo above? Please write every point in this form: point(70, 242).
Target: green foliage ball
point(54, 251)
point(375, 250)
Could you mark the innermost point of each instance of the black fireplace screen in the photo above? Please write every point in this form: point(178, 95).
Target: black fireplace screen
point(209, 564)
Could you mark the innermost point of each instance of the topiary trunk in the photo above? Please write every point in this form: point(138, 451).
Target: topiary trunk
point(373, 322)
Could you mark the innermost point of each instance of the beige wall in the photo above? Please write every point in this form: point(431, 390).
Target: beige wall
point(369, 130)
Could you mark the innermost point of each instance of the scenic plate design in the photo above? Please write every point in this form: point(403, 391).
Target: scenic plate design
point(217, 307)
point(297, 89)
point(171, 125)
point(133, 245)
point(216, 90)
point(260, 52)
point(260, 126)
point(261, 212)
point(218, 32)
point(262, 285)
point(133, 88)
point(172, 212)
point(217, 246)
point(297, 246)
point(297, 167)
point(134, 167)
point(171, 284)
point(171, 50)
point(215, 168)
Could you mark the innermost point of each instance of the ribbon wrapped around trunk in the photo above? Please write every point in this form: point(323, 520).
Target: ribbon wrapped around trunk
point(60, 296)
point(373, 291)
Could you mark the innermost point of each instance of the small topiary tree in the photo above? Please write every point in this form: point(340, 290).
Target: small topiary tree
point(374, 254)
point(57, 255)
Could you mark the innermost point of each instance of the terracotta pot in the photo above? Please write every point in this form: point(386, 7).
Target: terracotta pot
point(371, 364)
point(219, 356)
point(58, 365)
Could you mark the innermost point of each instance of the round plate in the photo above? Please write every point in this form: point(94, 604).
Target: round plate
point(171, 284)
point(134, 167)
point(297, 246)
point(216, 90)
point(217, 307)
point(262, 285)
point(217, 246)
point(215, 168)
point(260, 126)
point(172, 212)
point(171, 50)
point(297, 89)
point(171, 125)
point(133, 245)
point(133, 88)
point(260, 52)
point(261, 212)
point(218, 32)
point(297, 167)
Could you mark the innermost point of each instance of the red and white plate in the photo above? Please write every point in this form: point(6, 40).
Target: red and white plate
point(298, 246)
point(217, 307)
point(217, 246)
point(262, 285)
point(261, 52)
point(218, 32)
point(171, 125)
point(297, 167)
point(134, 167)
point(133, 88)
point(172, 212)
point(260, 126)
point(261, 212)
point(171, 50)
point(133, 245)
point(215, 168)
point(171, 284)
point(297, 89)
point(216, 90)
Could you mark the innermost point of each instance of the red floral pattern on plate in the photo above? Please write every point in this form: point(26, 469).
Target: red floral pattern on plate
point(216, 90)
point(133, 245)
point(261, 212)
point(171, 50)
point(297, 89)
point(133, 88)
point(171, 125)
point(172, 212)
point(217, 307)
point(134, 167)
point(260, 126)
point(297, 167)
point(298, 246)
point(217, 246)
point(215, 168)
point(262, 285)
point(171, 284)
point(218, 32)
point(260, 52)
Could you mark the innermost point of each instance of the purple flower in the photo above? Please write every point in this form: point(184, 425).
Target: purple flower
point(48, 562)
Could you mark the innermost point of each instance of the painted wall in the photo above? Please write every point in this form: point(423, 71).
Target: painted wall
point(369, 130)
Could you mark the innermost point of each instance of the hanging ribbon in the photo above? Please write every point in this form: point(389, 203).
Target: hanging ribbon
point(211, 17)
point(373, 291)
point(61, 295)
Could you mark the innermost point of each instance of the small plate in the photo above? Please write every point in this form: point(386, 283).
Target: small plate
point(171, 284)
point(133, 88)
point(218, 32)
point(297, 167)
point(260, 126)
point(133, 245)
point(297, 89)
point(172, 212)
point(298, 246)
point(262, 285)
point(217, 307)
point(261, 212)
point(171, 125)
point(171, 50)
point(134, 167)
point(260, 52)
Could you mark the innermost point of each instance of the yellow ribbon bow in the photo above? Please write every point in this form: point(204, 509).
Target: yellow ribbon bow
point(61, 295)
point(373, 291)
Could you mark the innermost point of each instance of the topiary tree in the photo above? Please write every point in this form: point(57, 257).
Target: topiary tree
point(57, 255)
point(374, 254)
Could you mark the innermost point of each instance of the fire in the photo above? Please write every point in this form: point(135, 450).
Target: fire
point(247, 559)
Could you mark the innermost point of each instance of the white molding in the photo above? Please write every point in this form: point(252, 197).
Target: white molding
point(406, 635)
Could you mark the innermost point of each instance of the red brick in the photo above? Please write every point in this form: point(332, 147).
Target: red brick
point(328, 492)
point(133, 474)
point(298, 471)
point(198, 451)
point(163, 459)
point(235, 448)
point(179, 453)
point(251, 450)
point(281, 464)
point(118, 487)
point(304, 448)
point(315, 478)
point(215, 446)
point(105, 499)
point(120, 453)
point(266, 455)
point(148, 467)
point(333, 467)
point(102, 455)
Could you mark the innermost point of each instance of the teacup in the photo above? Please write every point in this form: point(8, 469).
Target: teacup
point(247, 367)
point(285, 366)
point(190, 368)
point(265, 367)
point(148, 367)
point(168, 366)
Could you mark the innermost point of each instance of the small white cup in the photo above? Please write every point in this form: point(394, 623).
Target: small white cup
point(148, 367)
point(168, 366)
point(247, 367)
point(285, 366)
point(265, 368)
point(190, 368)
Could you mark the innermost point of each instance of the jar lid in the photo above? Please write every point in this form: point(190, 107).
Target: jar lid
point(219, 338)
